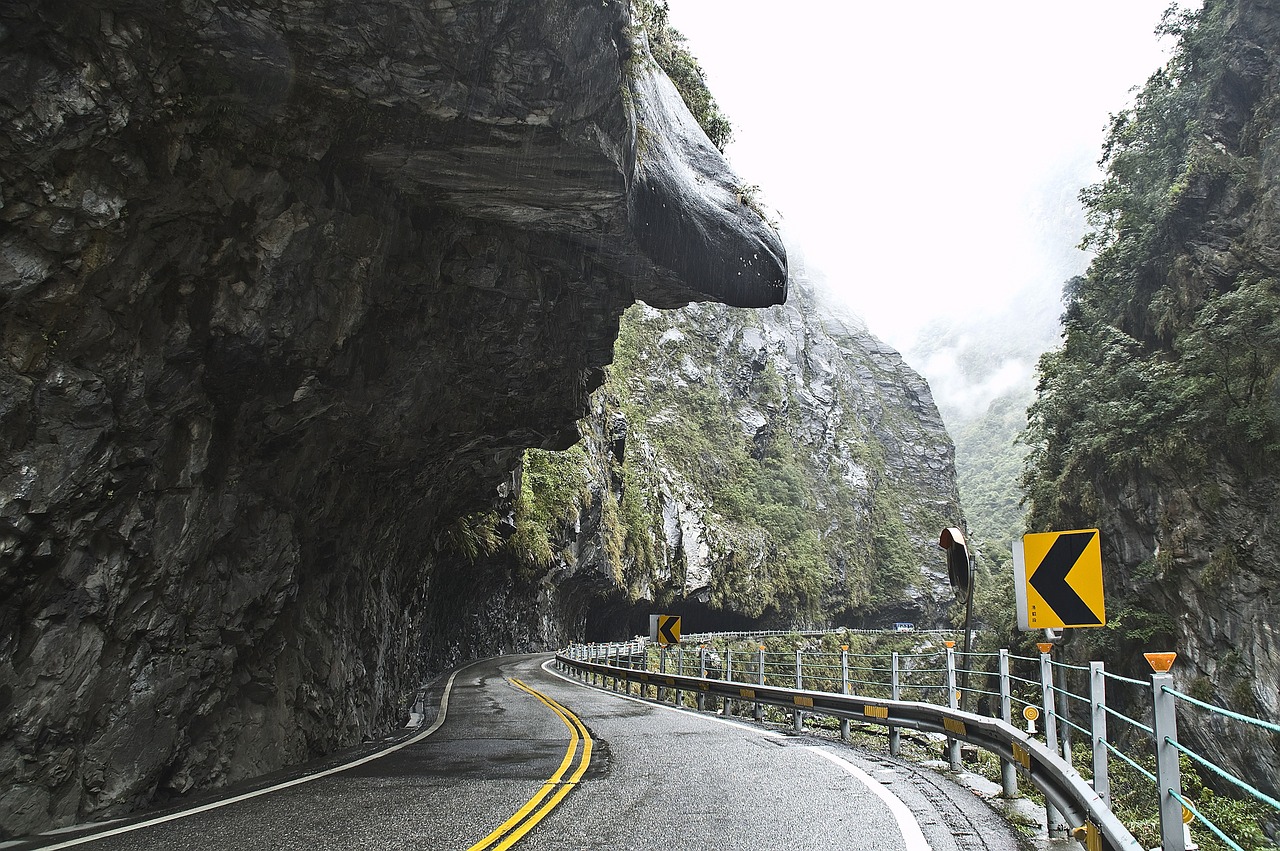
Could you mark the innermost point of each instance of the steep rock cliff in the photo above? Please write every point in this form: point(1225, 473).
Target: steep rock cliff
point(779, 467)
point(1159, 419)
point(283, 291)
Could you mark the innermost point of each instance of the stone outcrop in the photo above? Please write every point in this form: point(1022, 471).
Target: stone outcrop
point(284, 291)
point(773, 468)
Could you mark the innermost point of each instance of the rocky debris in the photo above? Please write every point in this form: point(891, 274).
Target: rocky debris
point(284, 292)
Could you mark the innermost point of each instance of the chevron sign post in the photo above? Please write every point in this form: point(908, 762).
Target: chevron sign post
point(1058, 580)
point(664, 629)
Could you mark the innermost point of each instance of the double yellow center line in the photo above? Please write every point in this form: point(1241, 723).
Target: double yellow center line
point(553, 791)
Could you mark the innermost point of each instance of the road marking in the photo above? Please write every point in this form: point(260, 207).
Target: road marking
point(912, 835)
point(535, 809)
point(297, 781)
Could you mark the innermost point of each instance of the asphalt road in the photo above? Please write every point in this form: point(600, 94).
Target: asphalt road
point(656, 778)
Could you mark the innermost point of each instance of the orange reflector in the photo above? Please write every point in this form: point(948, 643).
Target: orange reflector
point(1160, 662)
point(949, 644)
point(1044, 646)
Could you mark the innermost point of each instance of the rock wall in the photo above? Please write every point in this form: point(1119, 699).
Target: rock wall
point(775, 468)
point(1159, 420)
point(282, 293)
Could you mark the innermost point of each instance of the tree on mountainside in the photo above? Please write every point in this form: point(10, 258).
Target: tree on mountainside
point(1168, 362)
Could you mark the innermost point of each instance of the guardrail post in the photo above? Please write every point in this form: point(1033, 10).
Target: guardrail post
point(760, 677)
point(844, 688)
point(1168, 776)
point(1064, 712)
point(609, 659)
point(728, 672)
point(895, 691)
point(1008, 771)
point(631, 666)
point(662, 669)
point(702, 672)
point(680, 671)
point(1057, 828)
point(953, 701)
point(798, 717)
point(1098, 727)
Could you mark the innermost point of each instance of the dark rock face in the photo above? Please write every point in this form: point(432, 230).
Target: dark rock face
point(281, 294)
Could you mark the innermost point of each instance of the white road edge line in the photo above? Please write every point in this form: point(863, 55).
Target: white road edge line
point(297, 781)
point(912, 835)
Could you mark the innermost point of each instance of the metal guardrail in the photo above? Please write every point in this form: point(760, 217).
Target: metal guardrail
point(1060, 783)
point(879, 689)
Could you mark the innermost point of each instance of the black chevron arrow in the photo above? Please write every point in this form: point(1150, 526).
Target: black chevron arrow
point(1050, 579)
point(664, 630)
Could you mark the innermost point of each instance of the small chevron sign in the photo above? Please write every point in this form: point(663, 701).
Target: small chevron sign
point(664, 629)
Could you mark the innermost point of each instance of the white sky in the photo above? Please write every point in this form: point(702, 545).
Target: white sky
point(925, 155)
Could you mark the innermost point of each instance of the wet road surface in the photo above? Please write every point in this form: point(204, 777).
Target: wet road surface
point(656, 778)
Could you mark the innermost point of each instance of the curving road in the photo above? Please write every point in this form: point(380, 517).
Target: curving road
point(508, 766)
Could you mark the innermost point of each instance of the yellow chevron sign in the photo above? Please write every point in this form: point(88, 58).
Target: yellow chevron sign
point(664, 629)
point(1058, 580)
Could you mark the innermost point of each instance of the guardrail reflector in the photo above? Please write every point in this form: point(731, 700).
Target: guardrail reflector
point(1089, 835)
point(954, 726)
point(1022, 755)
point(747, 692)
point(669, 681)
point(876, 711)
point(804, 701)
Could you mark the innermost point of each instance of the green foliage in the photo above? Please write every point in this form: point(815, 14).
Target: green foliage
point(472, 535)
point(793, 538)
point(553, 488)
point(1170, 365)
point(667, 45)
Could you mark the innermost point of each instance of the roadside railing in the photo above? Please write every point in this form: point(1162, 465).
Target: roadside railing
point(967, 697)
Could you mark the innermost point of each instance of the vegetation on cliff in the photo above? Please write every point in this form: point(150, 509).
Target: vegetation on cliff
point(1158, 420)
point(768, 465)
point(1167, 361)
point(668, 46)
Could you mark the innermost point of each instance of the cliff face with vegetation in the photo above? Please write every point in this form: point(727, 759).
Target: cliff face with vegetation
point(282, 295)
point(778, 467)
point(1159, 419)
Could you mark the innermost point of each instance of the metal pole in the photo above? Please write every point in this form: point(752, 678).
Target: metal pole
point(968, 631)
point(662, 669)
point(844, 688)
point(1168, 775)
point(1008, 771)
point(953, 701)
point(798, 717)
point(1098, 716)
point(895, 691)
point(680, 671)
point(702, 672)
point(1056, 826)
point(760, 677)
point(1064, 712)
point(728, 672)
